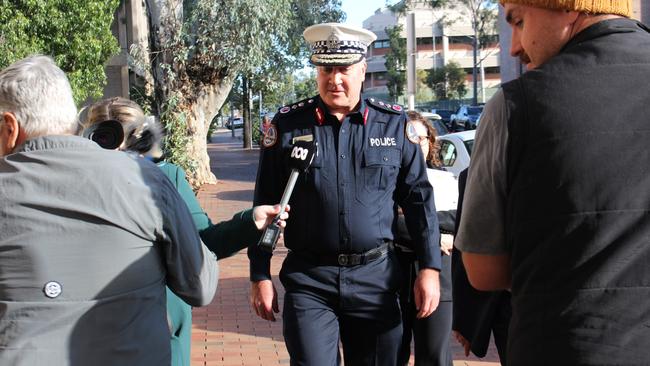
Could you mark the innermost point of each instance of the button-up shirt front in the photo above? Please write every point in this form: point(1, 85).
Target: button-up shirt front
point(345, 202)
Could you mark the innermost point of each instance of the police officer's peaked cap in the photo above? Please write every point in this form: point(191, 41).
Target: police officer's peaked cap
point(336, 44)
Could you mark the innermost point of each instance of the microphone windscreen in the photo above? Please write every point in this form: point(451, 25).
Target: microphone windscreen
point(302, 154)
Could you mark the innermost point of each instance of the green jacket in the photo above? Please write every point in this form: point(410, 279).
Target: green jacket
point(224, 239)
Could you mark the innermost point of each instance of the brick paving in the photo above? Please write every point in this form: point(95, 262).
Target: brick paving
point(227, 332)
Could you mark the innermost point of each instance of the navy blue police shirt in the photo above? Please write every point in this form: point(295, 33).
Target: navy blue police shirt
point(345, 202)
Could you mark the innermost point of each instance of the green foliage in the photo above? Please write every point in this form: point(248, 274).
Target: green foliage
point(77, 34)
point(208, 43)
point(257, 132)
point(396, 62)
point(448, 82)
point(139, 95)
point(177, 137)
point(422, 91)
point(305, 86)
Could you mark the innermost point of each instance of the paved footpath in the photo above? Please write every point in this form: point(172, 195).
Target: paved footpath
point(227, 332)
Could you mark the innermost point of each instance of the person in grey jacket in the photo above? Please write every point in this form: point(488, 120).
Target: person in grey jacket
point(86, 249)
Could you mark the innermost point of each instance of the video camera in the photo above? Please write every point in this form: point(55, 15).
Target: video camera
point(108, 134)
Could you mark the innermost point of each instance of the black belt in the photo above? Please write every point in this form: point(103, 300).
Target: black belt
point(347, 260)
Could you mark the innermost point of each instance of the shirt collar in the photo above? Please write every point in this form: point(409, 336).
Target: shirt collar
point(605, 27)
point(323, 116)
point(55, 142)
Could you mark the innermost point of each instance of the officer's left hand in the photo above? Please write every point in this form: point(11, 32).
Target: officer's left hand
point(263, 215)
point(427, 292)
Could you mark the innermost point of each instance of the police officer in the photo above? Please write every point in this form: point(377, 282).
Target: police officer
point(340, 276)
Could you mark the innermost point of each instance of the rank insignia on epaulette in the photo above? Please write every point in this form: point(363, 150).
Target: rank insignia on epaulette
point(289, 109)
point(394, 108)
point(270, 137)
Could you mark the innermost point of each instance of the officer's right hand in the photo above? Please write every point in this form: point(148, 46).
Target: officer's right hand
point(264, 299)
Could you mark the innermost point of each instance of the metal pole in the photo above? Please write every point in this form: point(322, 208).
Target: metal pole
point(474, 78)
point(261, 111)
point(410, 59)
point(232, 120)
point(433, 36)
point(482, 82)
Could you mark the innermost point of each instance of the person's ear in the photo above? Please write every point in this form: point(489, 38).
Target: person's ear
point(10, 130)
point(571, 16)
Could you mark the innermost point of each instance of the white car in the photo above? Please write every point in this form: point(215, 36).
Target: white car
point(455, 150)
point(237, 122)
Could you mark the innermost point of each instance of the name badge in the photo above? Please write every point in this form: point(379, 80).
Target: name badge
point(382, 141)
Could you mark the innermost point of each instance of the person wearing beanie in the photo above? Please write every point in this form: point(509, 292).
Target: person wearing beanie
point(557, 200)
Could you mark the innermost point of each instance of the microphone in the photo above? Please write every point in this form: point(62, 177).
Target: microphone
point(300, 159)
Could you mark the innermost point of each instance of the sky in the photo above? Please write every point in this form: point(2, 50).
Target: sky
point(359, 10)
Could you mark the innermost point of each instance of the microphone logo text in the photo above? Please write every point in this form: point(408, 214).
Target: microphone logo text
point(299, 153)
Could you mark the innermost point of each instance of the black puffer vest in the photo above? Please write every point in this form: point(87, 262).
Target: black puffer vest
point(578, 210)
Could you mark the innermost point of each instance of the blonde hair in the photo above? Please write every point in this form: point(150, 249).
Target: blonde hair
point(141, 133)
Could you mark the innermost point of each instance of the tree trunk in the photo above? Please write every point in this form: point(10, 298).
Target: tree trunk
point(207, 103)
point(247, 135)
point(198, 99)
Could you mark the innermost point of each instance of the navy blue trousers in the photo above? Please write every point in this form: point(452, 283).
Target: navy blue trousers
point(356, 306)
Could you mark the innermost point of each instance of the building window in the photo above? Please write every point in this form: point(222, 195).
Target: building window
point(424, 41)
point(380, 76)
point(491, 39)
point(384, 43)
point(461, 40)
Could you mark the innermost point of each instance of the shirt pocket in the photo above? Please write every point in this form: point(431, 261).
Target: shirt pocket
point(377, 173)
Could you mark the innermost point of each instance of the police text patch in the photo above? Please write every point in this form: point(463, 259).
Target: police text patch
point(382, 141)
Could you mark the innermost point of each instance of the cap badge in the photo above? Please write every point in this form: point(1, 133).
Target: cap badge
point(333, 42)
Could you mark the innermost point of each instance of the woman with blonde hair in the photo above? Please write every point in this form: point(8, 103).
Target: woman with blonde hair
point(119, 123)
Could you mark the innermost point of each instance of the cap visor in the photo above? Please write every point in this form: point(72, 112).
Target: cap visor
point(337, 59)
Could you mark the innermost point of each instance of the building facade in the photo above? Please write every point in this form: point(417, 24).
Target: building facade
point(442, 35)
point(130, 26)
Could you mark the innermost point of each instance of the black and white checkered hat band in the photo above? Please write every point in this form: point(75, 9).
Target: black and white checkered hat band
point(339, 47)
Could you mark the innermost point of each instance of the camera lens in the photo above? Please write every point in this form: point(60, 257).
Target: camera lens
point(108, 134)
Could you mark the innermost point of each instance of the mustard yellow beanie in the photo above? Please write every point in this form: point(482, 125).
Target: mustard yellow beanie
point(620, 7)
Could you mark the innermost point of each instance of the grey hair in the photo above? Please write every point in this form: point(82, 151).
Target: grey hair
point(38, 93)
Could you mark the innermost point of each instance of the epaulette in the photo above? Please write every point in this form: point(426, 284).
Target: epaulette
point(381, 105)
point(292, 108)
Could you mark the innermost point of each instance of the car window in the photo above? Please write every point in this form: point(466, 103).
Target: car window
point(440, 127)
point(469, 145)
point(474, 110)
point(448, 153)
